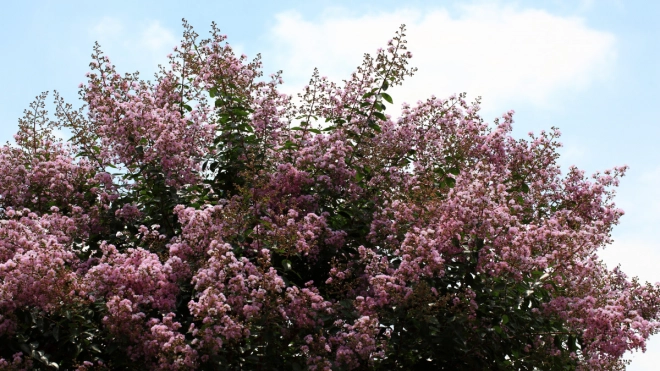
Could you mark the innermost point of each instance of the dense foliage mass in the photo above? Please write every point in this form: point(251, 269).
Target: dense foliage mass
point(206, 221)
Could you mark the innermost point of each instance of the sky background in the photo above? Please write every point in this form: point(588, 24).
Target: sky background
point(591, 68)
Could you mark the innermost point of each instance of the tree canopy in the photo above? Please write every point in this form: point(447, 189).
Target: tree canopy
point(204, 220)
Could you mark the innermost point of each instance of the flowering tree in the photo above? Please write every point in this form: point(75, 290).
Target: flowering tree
point(206, 221)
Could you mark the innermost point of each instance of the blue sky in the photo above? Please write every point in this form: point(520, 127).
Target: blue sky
point(592, 68)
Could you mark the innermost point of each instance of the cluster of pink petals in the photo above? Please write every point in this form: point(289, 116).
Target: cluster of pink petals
point(52, 202)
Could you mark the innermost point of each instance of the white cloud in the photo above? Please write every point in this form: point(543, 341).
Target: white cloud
point(635, 245)
point(507, 55)
point(108, 28)
point(136, 46)
point(646, 361)
point(637, 256)
point(639, 196)
point(572, 154)
point(586, 5)
point(156, 38)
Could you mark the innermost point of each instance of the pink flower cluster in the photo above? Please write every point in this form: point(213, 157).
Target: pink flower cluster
point(335, 223)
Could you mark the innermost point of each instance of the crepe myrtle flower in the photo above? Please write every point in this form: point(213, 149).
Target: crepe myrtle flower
point(205, 219)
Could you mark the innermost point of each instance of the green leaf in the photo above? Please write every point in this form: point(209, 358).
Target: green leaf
point(375, 127)
point(557, 342)
point(572, 346)
point(187, 107)
point(380, 115)
point(387, 97)
point(266, 223)
point(286, 264)
point(385, 85)
point(289, 145)
point(56, 332)
point(346, 303)
point(524, 188)
point(505, 319)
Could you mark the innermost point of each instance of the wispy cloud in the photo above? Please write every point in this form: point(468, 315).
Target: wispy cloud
point(108, 27)
point(572, 154)
point(640, 197)
point(134, 46)
point(157, 38)
point(635, 245)
point(647, 361)
point(505, 54)
point(627, 251)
